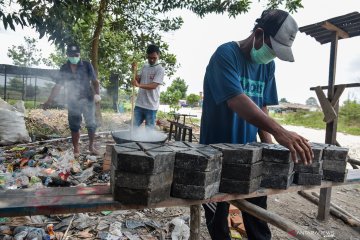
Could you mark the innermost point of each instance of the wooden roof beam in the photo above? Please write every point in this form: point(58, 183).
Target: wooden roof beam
point(331, 27)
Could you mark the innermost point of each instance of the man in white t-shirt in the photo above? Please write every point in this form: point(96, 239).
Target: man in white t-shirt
point(148, 82)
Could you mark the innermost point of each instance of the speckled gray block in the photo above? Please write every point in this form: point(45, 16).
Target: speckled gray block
point(242, 172)
point(277, 181)
point(142, 197)
point(141, 181)
point(335, 153)
point(155, 160)
point(336, 166)
point(194, 192)
point(334, 176)
point(307, 179)
point(199, 159)
point(239, 153)
point(186, 177)
point(274, 168)
point(241, 187)
point(314, 168)
point(276, 153)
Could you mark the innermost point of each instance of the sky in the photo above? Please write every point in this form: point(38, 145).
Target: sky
point(198, 38)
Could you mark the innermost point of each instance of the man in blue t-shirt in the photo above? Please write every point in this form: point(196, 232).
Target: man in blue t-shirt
point(82, 88)
point(239, 83)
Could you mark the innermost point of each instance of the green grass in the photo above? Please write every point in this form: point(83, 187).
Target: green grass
point(315, 120)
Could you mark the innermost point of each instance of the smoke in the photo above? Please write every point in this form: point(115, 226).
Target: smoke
point(141, 134)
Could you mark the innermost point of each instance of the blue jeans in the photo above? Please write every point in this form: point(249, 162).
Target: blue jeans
point(141, 114)
point(78, 108)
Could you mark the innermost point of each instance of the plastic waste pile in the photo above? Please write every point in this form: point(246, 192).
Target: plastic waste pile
point(37, 167)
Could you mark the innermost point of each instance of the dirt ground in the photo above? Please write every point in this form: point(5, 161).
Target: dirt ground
point(290, 206)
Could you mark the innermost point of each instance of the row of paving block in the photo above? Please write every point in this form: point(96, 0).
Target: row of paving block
point(146, 173)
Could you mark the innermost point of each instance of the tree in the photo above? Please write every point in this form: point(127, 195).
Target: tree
point(27, 55)
point(193, 99)
point(311, 101)
point(283, 100)
point(101, 25)
point(178, 84)
point(172, 98)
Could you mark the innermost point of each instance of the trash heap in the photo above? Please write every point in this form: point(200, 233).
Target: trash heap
point(45, 166)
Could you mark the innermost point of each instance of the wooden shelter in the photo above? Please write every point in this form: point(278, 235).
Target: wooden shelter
point(331, 31)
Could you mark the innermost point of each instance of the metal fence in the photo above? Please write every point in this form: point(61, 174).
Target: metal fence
point(31, 85)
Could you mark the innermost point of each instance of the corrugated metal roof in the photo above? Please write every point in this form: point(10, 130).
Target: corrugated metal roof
point(348, 23)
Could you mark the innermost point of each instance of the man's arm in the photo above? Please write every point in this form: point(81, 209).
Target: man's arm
point(96, 85)
point(247, 109)
point(149, 86)
point(54, 92)
point(265, 136)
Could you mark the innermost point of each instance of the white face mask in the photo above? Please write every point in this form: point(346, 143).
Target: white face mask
point(263, 55)
point(74, 60)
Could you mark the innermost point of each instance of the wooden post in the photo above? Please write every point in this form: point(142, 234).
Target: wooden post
point(331, 128)
point(195, 222)
point(284, 224)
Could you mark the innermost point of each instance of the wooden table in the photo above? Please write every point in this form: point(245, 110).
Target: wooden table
point(61, 200)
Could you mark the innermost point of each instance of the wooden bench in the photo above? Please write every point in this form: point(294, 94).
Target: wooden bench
point(61, 200)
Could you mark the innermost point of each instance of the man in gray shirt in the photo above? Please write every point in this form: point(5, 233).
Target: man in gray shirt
point(148, 82)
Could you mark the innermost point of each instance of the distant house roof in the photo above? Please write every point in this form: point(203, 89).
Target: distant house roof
point(292, 106)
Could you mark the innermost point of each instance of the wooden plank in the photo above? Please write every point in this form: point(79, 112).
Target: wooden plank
point(331, 27)
point(349, 85)
point(328, 110)
point(278, 221)
point(98, 198)
point(100, 189)
point(195, 222)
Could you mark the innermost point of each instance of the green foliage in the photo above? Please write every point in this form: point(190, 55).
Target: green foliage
point(178, 85)
point(27, 55)
point(172, 98)
point(311, 101)
point(348, 122)
point(283, 100)
point(193, 99)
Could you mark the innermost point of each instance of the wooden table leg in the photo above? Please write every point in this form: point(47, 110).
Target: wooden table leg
point(195, 222)
point(324, 204)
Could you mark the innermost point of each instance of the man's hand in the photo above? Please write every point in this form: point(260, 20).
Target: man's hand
point(298, 145)
point(97, 98)
point(135, 83)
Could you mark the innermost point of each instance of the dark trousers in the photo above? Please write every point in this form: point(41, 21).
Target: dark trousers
point(217, 223)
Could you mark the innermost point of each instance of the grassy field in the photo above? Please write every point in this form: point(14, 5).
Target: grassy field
point(315, 120)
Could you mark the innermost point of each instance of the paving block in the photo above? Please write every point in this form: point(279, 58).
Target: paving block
point(194, 192)
point(143, 197)
point(314, 168)
point(184, 176)
point(241, 187)
point(276, 153)
point(307, 179)
point(202, 159)
point(333, 165)
point(275, 168)
point(334, 176)
point(144, 162)
point(239, 153)
point(335, 153)
point(242, 172)
point(177, 146)
point(277, 181)
point(141, 181)
point(317, 150)
point(194, 145)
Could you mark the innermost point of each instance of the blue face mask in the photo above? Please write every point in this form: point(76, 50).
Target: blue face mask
point(74, 60)
point(263, 55)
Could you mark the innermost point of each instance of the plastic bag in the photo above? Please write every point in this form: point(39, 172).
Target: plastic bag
point(12, 128)
point(181, 230)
